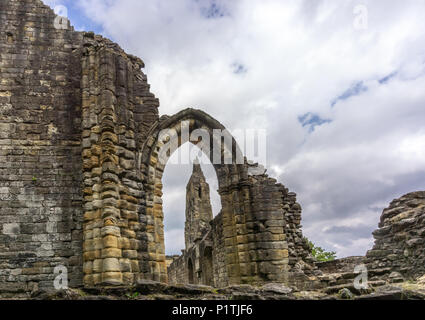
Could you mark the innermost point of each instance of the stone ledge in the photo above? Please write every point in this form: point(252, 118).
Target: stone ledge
point(151, 290)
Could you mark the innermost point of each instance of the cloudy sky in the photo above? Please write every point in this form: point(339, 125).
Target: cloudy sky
point(338, 84)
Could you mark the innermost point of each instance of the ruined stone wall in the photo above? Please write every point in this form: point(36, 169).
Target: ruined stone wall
point(297, 246)
point(73, 108)
point(218, 252)
point(198, 235)
point(267, 229)
point(114, 91)
point(341, 265)
point(214, 241)
point(399, 240)
point(270, 234)
point(40, 150)
point(177, 271)
point(204, 242)
point(80, 180)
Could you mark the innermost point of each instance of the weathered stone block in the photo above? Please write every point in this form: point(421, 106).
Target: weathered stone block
point(110, 241)
point(111, 253)
point(111, 265)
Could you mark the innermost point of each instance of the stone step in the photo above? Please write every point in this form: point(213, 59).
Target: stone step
point(334, 279)
point(350, 286)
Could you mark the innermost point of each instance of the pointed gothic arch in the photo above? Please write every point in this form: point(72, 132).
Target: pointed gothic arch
point(249, 257)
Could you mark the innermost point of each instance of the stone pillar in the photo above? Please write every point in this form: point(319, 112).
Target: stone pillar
point(101, 231)
point(113, 191)
point(229, 235)
point(152, 254)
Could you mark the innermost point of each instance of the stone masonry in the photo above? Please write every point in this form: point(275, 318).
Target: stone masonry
point(41, 199)
point(198, 207)
point(200, 261)
point(80, 172)
point(81, 165)
point(399, 241)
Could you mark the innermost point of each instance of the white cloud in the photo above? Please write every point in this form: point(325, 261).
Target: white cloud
point(297, 57)
point(174, 241)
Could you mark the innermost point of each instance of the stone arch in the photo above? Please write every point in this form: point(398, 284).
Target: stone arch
point(249, 256)
point(123, 236)
point(229, 176)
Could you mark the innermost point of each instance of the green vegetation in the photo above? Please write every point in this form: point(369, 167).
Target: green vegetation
point(133, 295)
point(319, 253)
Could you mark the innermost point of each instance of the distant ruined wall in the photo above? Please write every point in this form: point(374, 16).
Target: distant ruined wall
point(202, 234)
point(398, 253)
point(399, 240)
point(198, 207)
point(218, 252)
point(177, 271)
point(340, 265)
point(271, 229)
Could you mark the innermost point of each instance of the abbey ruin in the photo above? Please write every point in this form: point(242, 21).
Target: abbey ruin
point(81, 181)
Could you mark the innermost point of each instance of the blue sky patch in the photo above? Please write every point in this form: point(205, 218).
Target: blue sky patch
point(239, 68)
point(355, 90)
point(212, 10)
point(312, 120)
point(76, 15)
point(387, 78)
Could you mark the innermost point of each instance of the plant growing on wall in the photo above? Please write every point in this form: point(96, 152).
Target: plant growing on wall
point(319, 253)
